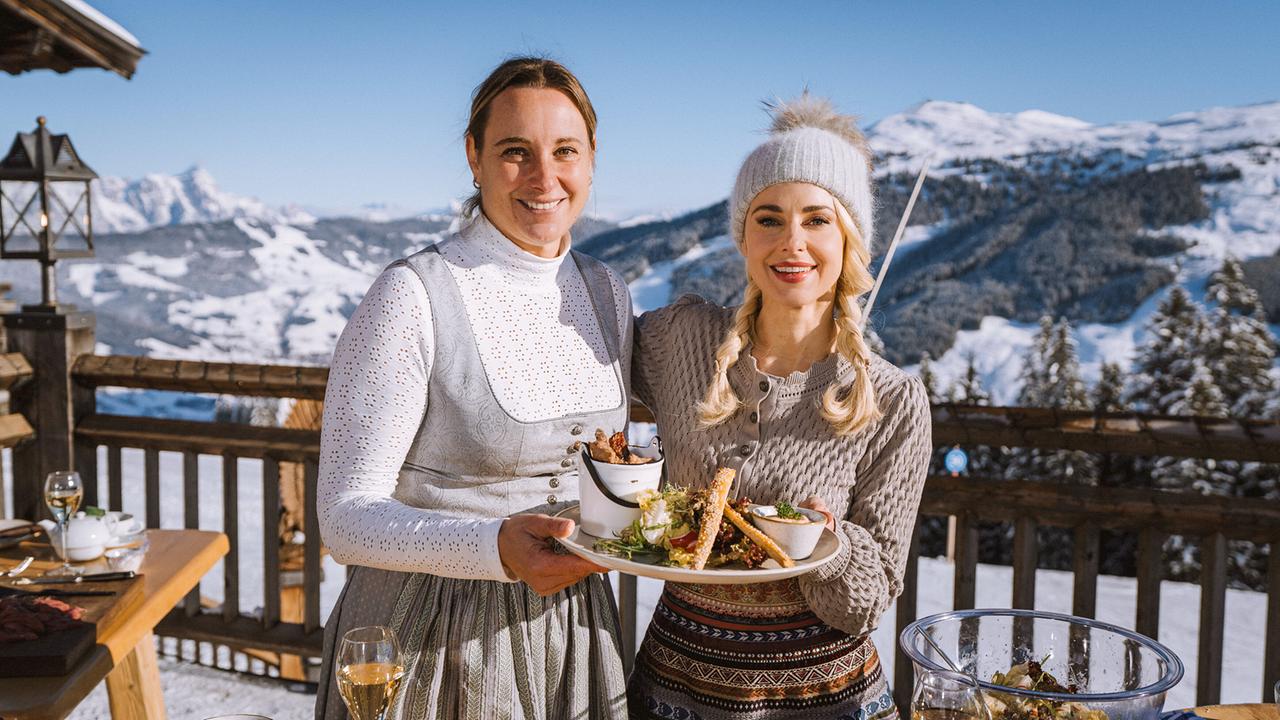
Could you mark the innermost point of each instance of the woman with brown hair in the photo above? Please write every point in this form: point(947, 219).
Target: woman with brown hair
point(454, 393)
point(792, 397)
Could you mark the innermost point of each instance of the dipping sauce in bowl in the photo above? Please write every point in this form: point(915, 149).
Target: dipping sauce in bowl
point(797, 536)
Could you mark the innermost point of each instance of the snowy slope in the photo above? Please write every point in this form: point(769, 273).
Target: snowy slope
point(249, 282)
point(1244, 213)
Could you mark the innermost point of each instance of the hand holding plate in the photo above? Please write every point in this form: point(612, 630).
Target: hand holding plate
point(524, 544)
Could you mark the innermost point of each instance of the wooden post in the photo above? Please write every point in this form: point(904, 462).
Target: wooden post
point(52, 403)
point(1213, 607)
point(903, 671)
point(133, 686)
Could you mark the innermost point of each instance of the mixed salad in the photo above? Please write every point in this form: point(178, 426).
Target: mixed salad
point(1032, 676)
point(669, 530)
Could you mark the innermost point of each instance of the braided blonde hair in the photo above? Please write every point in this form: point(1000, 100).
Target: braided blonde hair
point(849, 410)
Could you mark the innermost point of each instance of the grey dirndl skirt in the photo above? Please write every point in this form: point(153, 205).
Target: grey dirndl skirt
point(485, 649)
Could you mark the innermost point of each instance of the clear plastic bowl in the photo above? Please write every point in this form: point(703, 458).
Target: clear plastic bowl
point(1117, 671)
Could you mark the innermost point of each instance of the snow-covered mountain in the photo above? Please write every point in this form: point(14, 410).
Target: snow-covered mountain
point(1238, 146)
point(193, 196)
point(956, 131)
point(1030, 213)
point(1025, 214)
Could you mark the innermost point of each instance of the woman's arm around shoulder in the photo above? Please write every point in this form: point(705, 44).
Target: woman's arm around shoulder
point(374, 404)
point(853, 591)
point(668, 332)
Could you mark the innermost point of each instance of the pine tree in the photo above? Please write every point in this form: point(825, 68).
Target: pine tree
point(1205, 476)
point(1242, 361)
point(1108, 397)
point(1176, 335)
point(1242, 351)
point(1063, 386)
point(929, 378)
point(984, 460)
point(1051, 377)
point(968, 390)
point(1108, 394)
point(1033, 372)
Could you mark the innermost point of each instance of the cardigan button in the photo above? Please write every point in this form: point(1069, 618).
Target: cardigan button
point(551, 499)
point(555, 482)
point(567, 462)
point(744, 451)
point(575, 430)
point(755, 417)
point(764, 386)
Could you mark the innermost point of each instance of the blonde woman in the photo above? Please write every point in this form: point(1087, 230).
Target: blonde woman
point(792, 397)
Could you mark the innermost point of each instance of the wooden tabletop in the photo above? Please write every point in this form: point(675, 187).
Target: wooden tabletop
point(174, 564)
point(1256, 711)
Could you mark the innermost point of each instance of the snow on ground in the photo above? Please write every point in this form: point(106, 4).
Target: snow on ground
point(170, 267)
point(652, 290)
point(999, 346)
point(303, 303)
point(915, 235)
point(193, 692)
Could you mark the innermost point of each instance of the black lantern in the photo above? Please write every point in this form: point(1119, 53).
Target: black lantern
point(45, 210)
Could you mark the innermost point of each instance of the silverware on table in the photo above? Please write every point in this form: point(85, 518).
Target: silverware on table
point(54, 592)
point(60, 579)
point(18, 569)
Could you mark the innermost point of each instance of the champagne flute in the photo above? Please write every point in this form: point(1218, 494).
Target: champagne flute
point(947, 695)
point(63, 492)
point(369, 671)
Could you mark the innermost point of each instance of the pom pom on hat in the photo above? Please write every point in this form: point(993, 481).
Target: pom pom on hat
point(810, 142)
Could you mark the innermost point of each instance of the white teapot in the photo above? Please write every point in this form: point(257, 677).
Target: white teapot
point(87, 537)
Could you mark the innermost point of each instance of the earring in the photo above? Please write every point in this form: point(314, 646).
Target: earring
point(475, 183)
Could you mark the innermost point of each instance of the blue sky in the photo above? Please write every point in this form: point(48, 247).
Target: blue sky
point(336, 104)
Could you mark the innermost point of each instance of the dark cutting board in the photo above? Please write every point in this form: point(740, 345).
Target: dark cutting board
point(58, 652)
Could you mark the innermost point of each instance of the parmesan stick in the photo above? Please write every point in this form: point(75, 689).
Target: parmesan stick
point(711, 515)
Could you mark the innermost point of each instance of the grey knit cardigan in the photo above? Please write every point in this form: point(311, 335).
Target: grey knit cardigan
point(785, 450)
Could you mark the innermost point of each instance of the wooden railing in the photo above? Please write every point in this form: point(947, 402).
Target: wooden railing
point(228, 626)
point(1085, 511)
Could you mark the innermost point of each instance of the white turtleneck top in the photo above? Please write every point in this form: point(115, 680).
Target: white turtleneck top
point(528, 315)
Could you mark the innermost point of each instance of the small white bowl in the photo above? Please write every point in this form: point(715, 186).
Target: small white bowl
point(796, 539)
point(120, 559)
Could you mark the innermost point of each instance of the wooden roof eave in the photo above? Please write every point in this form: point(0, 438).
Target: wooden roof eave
point(87, 43)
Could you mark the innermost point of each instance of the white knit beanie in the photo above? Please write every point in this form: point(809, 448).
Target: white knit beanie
point(810, 142)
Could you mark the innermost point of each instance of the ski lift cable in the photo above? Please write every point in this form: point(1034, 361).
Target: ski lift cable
point(897, 237)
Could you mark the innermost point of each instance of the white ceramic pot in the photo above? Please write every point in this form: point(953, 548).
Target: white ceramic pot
point(797, 539)
point(609, 497)
point(87, 537)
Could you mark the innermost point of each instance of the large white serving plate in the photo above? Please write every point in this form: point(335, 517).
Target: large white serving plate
point(581, 543)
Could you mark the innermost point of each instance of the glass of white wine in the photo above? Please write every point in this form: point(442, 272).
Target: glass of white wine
point(63, 492)
point(369, 670)
point(947, 695)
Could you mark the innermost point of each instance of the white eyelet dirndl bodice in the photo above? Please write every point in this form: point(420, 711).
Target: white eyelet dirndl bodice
point(482, 648)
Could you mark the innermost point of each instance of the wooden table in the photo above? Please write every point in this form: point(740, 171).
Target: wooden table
point(1256, 711)
point(125, 653)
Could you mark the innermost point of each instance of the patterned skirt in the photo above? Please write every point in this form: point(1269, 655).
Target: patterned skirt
point(483, 649)
point(751, 652)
